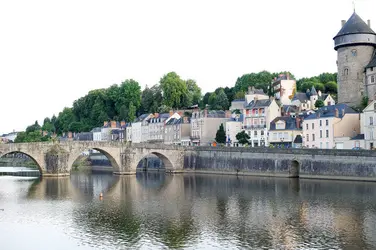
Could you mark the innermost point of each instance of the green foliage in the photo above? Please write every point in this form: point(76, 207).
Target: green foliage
point(319, 103)
point(239, 95)
point(220, 136)
point(193, 93)
point(33, 134)
point(131, 116)
point(242, 137)
point(331, 87)
point(218, 101)
point(364, 102)
point(151, 99)
point(325, 82)
point(174, 90)
point(33, 128)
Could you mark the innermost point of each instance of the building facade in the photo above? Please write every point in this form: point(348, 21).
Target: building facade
point(284, 88)
point(284, 132)
point(329, 122)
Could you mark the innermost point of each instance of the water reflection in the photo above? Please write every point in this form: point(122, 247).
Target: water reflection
point(201, 211)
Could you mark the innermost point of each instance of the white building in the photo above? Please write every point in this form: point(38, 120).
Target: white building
point(97, 134)
point(284, 88)
point(140, 129)
point(233, 127)
point(128, 132)
point(156, 127)
point(368, 125)
point(321, 128)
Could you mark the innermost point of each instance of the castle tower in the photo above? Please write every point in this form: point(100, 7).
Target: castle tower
point(355, 45)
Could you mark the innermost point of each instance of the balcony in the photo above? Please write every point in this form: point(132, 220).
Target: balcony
point(255, 115)
point(254, 126)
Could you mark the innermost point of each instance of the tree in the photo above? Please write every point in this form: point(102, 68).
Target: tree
point(220, 136)
point(218, 101)
point(193, 92)
point(131, 116)
point(331, 87)
point(319, 103)
point(242, 137)
point(174, 90)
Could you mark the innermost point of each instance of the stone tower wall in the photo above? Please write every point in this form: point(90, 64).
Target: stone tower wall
point(371, 86)
point(351, 62)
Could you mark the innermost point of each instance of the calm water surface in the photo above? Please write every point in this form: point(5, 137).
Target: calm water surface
point(154, 211)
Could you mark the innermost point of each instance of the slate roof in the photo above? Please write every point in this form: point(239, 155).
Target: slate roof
point(259, 103)
point(216, 114)
point(298, 139)
point(240, 119)
point(355, 25)
point(259, 91)
point(329, 111)
point(98, 129)
point(372, 63)
point(302, 97)
point(290, 108)
point(358, 137)
point(290, 123)
point(239, 100)
point(313, 91)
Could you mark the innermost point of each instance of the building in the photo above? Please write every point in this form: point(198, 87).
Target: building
point(240, 104)
point(9, 137)
point(205, 124)
point(97, 135)
point(257, 117)
point(84, 136)
point(140, 131)
point(329, 122)
point(307, 101)
point(156, 127)
point(356, 61)
point(178, 131)
point(284, 132)
point(284, 88)
point(128, 132)
point(368, 125)
point(233, 127)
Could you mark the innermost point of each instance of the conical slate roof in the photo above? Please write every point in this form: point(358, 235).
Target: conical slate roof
point(355, 25)
point(313, 91)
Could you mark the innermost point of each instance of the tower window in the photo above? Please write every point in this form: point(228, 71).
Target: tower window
point(372, 79)
point(353, 52)
point(346, 72)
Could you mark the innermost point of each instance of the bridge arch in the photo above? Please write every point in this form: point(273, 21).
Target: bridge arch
point(294, 169)
point(113, 158)
point(168, 164)
point(36, 159)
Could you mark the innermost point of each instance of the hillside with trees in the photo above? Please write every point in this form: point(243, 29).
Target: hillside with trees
point(127, 101)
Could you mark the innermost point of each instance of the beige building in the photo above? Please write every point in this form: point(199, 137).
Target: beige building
point(284, 88)
point(204, 125)
point(257, 117)
point(286, 132)
point(177, 131)
point(329, 122)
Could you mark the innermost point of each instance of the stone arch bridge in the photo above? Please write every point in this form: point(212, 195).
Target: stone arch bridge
point(57, 158)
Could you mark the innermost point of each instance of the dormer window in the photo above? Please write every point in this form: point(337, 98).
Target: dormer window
point(353, 52)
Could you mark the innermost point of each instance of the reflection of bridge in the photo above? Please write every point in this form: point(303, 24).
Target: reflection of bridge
point(56, 159)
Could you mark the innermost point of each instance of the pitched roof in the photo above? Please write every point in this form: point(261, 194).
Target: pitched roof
point(216, 114)
point(355, 25)
point(298, 139)
point(302, 97)
point(259, 103)
point(289, 121)
point(372, 63)
point(238, 100)
point(330, 111)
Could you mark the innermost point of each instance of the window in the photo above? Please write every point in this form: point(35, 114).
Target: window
point(280, 135)
point(274, 136)
point(307, 137)
point(371, 120)
point(327, 122)
point(320, 144)
point(327, 133)
point(320, 123)
point(307, 126)
point(262, 132)
point(255, 133)
point(320, 133)
point(313, 137)
point(285, 135)
point(346, 72)
point(313, 125)
point(372, 79)
point(327, 145)
point(353, 52)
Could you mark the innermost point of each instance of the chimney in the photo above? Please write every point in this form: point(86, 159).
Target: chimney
point(185, 119)
point(180, 113)
point(113, 124)
point(105, 123)
point(336, 112)
point(297, 120)
point(205, 112)
point(228, 114)
point(343, 22)
point(156, 115)
point(250, 90)
point(288, 76)
point(369, 23)
point(171, 112)
point(122, 123)
point(70, 134)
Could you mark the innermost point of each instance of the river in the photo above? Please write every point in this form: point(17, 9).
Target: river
point(157, 211)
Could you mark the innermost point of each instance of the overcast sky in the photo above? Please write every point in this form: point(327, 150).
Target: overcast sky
point(53, 52)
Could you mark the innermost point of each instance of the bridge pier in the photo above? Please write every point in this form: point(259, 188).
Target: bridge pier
point(56, 163)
